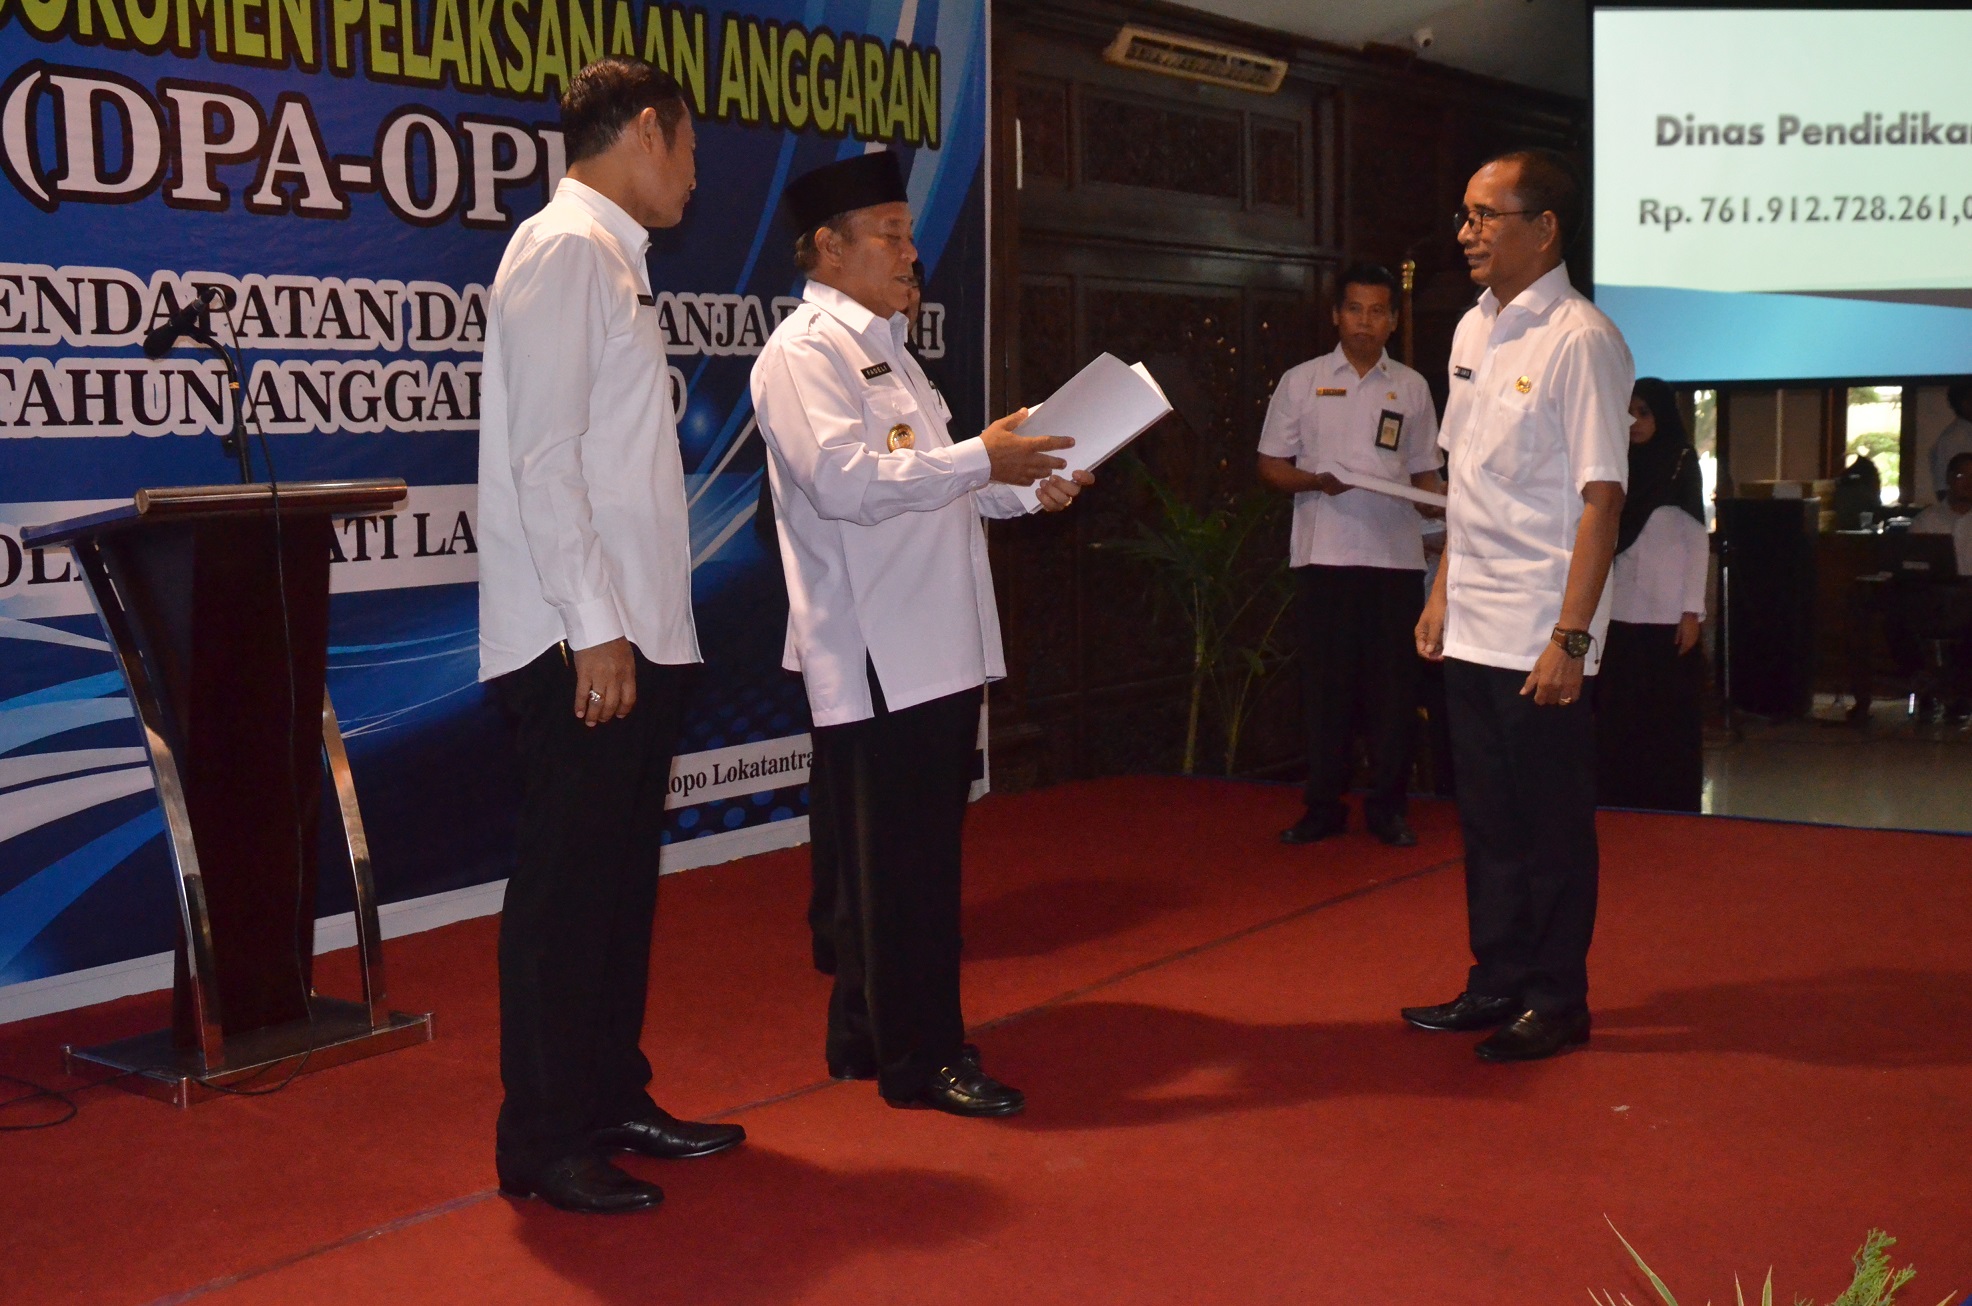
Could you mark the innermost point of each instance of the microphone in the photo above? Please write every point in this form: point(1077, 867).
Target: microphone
point(191, 320)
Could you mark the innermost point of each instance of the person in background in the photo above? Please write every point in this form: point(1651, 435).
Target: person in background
point(1954, 440)
point(1952, 516)
point(1356, 554)
point(1947, 619)
point(1649, 698)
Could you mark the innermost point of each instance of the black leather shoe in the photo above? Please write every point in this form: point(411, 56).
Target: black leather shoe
point(587, 1184)
point(963, 1089)
point(1467, 1011)
point(859, 1067)
point(1395, 831)
point(1533, 1036)
point(1313, 829)
point(668, 1138)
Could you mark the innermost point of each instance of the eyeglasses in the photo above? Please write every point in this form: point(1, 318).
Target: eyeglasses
point(1478, 218)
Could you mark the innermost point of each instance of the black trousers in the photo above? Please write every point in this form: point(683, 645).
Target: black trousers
point(1526, 802)
point(575, 932)
point(1359, 669)
point(896, 801)
point(824, 864)
point(1649, 720)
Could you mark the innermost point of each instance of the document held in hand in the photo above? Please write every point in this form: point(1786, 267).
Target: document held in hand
point(1395, 489)
point(1101, 408)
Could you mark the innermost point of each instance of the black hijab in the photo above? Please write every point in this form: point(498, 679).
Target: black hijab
point(1663, 470)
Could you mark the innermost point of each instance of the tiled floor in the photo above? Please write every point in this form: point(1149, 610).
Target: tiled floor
point(1894, 774)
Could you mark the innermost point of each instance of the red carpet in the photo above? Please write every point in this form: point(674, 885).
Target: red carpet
point(1223, 1107)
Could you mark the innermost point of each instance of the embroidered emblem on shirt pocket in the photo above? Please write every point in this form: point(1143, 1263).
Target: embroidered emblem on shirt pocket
point(891, 408)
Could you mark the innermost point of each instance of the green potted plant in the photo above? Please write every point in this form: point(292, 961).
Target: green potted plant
point(1222, 570)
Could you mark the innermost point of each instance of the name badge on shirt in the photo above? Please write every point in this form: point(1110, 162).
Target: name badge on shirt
point(1331, 392)
point(875, 370)
point(1462, 373)
point(1390, 430)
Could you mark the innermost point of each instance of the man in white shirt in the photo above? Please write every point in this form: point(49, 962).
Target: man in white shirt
point(891, 623)
point(1537, 432)
point(586, 639)
point(1357, 555)
point(1953, 516)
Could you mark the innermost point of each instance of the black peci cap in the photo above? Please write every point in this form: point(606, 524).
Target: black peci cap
point(859, 183)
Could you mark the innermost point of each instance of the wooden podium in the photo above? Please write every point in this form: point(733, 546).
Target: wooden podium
point(216, 599)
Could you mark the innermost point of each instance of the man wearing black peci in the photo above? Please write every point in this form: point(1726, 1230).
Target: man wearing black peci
point(587, 640)
point(892, 623)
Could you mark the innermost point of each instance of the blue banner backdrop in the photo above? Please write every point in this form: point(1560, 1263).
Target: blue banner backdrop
point(348, 172)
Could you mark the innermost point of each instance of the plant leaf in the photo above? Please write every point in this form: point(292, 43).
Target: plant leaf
point(1649, 1273)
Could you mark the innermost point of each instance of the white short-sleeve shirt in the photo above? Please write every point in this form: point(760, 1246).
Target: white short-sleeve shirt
point(1539, 408)
point(1328, 419)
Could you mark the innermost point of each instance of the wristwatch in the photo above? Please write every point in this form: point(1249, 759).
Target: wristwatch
point(1575, 643)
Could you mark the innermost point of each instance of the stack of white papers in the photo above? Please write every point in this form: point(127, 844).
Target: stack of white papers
point(1101, 408)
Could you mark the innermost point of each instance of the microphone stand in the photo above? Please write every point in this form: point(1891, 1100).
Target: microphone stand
point(235, 441)
point(199, 329)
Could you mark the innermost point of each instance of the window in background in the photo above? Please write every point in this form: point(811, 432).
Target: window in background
point(1876, 424)
point(1705, 438)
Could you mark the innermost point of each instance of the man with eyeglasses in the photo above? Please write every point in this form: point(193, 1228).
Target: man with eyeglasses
point(1357, 555)
point(1536, 429)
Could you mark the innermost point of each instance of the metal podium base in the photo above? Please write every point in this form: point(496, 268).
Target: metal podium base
point(337, 1031)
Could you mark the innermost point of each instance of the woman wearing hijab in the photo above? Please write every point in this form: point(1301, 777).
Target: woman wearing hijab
point(1649, 731)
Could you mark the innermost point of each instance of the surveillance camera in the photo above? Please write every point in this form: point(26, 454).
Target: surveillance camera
point(1424, 38)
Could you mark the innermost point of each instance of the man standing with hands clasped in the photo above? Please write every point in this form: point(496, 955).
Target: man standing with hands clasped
point(586, 638)
point(1536, 427)
point(1357, 555)
point(891, 623)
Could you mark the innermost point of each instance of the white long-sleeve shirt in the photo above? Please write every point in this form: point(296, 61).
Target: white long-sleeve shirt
point(1539, 408)
point(884, 549)
point(1662, 576)
point(583, 530)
